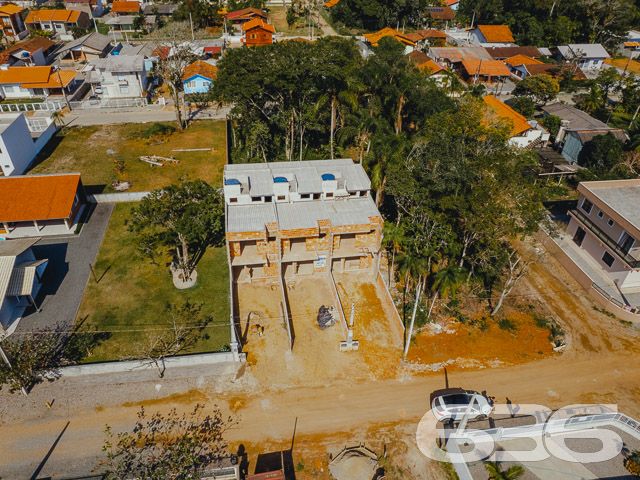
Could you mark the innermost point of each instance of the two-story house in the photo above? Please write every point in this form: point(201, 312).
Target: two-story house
point(606, 227)
point(257, 32)
point(33, 52)
point(58, 21)
point(94, 8)
point(13, 28)
point(29, 82)
point(118, 76)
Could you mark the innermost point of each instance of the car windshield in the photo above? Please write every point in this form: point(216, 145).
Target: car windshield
point(458, 399)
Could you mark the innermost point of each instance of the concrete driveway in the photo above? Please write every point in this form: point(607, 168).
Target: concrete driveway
point(67, 273)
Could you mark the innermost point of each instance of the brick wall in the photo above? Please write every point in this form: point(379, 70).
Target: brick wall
point(271, 269)
point(245, 236)
point(320, 243)
point(367, 239)
point(365, 262)
point(286, 245)
point(265, 247)
point(234, 248)
point(299, 233)
point(352, 228)
point(336, 242)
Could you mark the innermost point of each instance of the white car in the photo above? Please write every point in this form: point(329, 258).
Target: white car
point(451, 404)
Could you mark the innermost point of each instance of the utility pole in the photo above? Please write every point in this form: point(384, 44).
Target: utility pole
point(413, 318)
point(191, 23)
point(64, 93)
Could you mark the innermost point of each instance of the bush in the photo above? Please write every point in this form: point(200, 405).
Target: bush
point(523, 105)
point(157, 129)
point(552, 123)
point(506, 324)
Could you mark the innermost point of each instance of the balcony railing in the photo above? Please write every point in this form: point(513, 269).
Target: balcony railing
point(594, 229)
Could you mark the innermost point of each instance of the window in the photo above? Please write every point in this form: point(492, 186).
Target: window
point(610, 222)
point(316, 196)
point(253, 35)
point(206, 84)
point(608, 259)
point(122, 77)
point(281, 197)
point(124, 89)
point(600, 214)
point(328, 195)
point(305, 195)
point(626, 242)
point(256, 199)
point(233, 200)
point(579, 236)
point(267, 199)
point(587, 206)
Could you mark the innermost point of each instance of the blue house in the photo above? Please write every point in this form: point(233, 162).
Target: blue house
point(198, 77)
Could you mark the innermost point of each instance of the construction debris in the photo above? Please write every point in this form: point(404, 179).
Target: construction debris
point(354, 463)
point(158, 160)
point(326, 317)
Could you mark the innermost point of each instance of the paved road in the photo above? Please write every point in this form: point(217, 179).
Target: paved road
point(67, 273)
point(102, 117)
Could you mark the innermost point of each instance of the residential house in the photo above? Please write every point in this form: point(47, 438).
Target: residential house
point(517, 65)
point(124, 7)
point(286, 219)
point(213, 51)
point(29, 82)
point(198, 77)
point(91, 46)
point(118, 76)
point(34, 52)
point(524, 133)
point(94, 8)
point(428, 66)
point(58, 21)
point(256, 32)
point(588, 56)
point(605, 227)
point(631, 45)
point(160, 9)
point(453, 4)
point(431, 37)
point(125, 23)
point(374, 38)
point(240, 17)
point(484, 71)
point(452, 57)
point(21, 276)
point(37, 205)
point(13, 28)
point(21, 139)
point(554, 71)
point(441, 14)
point(492, 36)
point(577, 128)
point(501, 53)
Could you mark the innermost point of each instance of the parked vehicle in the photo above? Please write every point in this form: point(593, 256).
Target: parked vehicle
point(451, 404)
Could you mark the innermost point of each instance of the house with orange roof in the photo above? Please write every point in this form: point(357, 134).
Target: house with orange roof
point(441, 14)
point(492, 36)
point(524, 133)
point(484, 71)
point(240, 17)
point(257, 32)
point(125, 7)
point(13, 28)
point(57, 21)
point(37, 205)
point(34, 52)
point(374, 38)
point(39, 82)
point(453, 4)
point(431, 37)
point(517, 65)
point(198, 77)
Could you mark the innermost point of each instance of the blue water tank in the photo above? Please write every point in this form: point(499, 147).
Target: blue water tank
point(280, 180)
point(231, 181)
point(328, 176)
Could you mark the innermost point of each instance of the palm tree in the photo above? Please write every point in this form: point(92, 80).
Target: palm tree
point(57, 117)
point(477, 90)
point(394, 239)
point(592, 100)
point(446, 282)
point(514, 472)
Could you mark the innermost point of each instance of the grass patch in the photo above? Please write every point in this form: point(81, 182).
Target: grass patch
point(84, 150)
point(278, 18)
point(507, 325)
point(132, 294)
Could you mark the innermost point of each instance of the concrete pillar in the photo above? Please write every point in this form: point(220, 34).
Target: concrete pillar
point(234, 342)
point(35, 224)
point(342, 260)
point(6, 226)
point(67, 223)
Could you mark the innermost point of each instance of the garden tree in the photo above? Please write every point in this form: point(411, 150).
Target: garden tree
point(166, 446)
point(602, 155)
point(514, 472)
point(592, 101)
point(539, 88)
point(608, 21)
point(140, 22)
point(608, 80)
point(187, 216)
point(523, 105)
point(182, 329)
point(446, 281)
point(233, 5)
point(171, 68)
point(552, 123)
point(377, 14)
point(28, 356)
point(204, 13)
point(477, 90)
point(291, 16)
point(394, 238)
point(517, 265)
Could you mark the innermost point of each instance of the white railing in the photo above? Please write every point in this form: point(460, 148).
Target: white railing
point(109, 103)
point(49, 106)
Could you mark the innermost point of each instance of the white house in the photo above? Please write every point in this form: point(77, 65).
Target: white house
point(20, 281)
point(588, 56)
point(118, 76)
point(524, 133)
point(39, 82)
point(492, 36)
point(21, 140)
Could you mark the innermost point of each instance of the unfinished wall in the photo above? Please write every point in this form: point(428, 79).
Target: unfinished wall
point(267, 247)
point(318, 243)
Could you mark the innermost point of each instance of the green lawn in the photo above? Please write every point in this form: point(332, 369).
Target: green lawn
point(84, 150)
point(132, 294)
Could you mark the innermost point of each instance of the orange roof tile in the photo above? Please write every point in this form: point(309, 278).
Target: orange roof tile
point(70, 16)
point(519, 122)
point(331, 3)
point(42, 197)
point(64, 76)
point(452, 2)
point(375, 37)
point(496, 33)
point(424, 62)
point(200, 67)
point(246, 13)
point(517, 60)
point(258, 23)
point(486, 68)
point(10, 9)
point(632, 66)
point(124, 6)
point(25, 74)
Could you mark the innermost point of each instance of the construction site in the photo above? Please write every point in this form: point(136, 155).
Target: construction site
point(303, 244)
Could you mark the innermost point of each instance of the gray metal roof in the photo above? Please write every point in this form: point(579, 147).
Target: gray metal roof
point(300, 214)
point(119, 63)
point(459, 54)
point(578, 120)
point(22, 278)
point(93, 40)
point(250, 218)
point(355, 211)
point(591, 134)
point(13, 248)
point(6, 269)
point(305, 177)
point(586, 50)
point(622, 196)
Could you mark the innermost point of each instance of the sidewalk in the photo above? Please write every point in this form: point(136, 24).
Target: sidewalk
point(167, 114)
